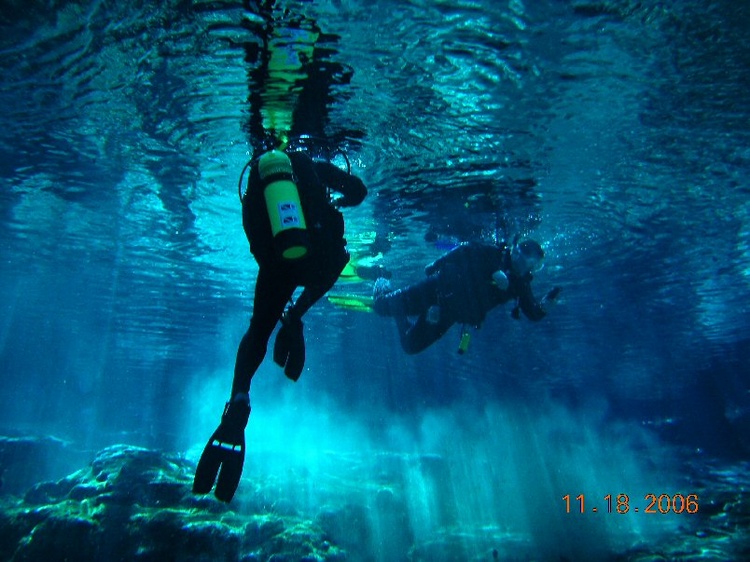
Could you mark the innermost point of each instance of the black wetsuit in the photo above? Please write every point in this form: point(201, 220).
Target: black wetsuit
point(278, 278)
point(461, 284)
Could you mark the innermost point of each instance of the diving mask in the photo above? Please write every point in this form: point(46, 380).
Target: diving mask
point(527, 257)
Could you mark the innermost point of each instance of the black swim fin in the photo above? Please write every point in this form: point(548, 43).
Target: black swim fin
point(296, 361)
point(289, 348)
point(281, 346)
point(224, 454)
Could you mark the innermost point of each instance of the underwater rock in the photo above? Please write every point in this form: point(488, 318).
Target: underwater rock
point(379, 528)
point(392, 524)
point(26, 460)
point(469, 543)
point(348, 525)
point(137, 504)
point(121, 474)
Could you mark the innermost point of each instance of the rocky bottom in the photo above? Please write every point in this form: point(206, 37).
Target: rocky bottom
point(136, 504)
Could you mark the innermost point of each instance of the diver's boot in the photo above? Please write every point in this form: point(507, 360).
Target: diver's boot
point(224, 454)
point(382, 287)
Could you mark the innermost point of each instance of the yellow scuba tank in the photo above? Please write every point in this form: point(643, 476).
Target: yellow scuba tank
point(283, 205)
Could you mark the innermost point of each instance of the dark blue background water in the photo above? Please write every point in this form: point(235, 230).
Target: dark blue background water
point(613, 132)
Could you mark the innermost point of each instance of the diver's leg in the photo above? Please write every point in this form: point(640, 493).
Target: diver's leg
point(309, 296)
point(422, 334)
point(272, 291)
point(289, 350)
point(317, 287)
point(409, 301)
point(414, 300)
point(224, 454)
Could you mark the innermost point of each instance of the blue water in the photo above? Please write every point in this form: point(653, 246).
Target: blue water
point(613, 132)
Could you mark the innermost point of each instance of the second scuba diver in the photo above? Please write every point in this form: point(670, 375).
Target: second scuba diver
point(461, 287)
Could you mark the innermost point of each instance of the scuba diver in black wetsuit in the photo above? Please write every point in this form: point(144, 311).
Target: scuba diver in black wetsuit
point(461, 287)
point(295, 231)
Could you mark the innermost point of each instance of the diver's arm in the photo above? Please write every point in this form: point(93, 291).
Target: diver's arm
point(352, 188)
point(533, 309)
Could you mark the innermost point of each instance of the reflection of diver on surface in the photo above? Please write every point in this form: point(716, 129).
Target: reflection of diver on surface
point(461, 287)
point(356, 272)
point(363, 267)
point(381, 245)
point(295, 231)
point(293, 80)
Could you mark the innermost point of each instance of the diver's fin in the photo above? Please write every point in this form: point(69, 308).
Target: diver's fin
point(289, 347)
point(208, 468)
point(281, 346)
point(224, 454)
point(359, 303)
point(223, 459)
point(349, 274)
point(296, 345)
point(231, 471)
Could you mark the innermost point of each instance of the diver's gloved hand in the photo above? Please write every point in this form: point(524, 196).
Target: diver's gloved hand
point(552, 295)
point(224, 454)
point(289, 348)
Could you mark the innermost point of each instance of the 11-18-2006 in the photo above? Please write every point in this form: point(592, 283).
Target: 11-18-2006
point(653, 503)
